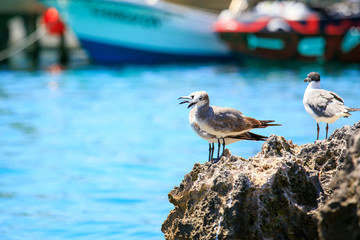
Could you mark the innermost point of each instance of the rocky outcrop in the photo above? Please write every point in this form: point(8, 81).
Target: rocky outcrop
point(339, 218)
point(284, 192)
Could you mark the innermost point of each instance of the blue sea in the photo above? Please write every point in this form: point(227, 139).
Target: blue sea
point(92, 152)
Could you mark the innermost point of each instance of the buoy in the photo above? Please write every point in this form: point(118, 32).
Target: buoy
point(52, 21)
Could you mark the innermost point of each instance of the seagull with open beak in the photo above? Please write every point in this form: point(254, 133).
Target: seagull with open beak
point(220, 125)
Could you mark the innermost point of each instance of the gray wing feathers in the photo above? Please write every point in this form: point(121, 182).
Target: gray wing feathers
point(325, 103)
point(228, 119)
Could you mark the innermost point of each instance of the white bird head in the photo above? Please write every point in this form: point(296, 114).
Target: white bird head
point(199, 99)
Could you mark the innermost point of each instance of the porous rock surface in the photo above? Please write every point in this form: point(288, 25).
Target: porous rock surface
point(284, 192)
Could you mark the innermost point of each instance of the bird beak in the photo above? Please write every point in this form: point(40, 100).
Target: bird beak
point(307, 80)
point(185, 97)
point(187, 101)
point(191, 104)
point(184, 102)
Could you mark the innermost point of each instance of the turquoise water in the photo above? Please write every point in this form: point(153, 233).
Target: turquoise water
point(92, 153)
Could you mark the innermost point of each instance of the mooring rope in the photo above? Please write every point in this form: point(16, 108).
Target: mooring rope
point(22, 44)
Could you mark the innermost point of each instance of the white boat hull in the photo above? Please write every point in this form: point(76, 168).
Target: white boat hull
point(116, 31)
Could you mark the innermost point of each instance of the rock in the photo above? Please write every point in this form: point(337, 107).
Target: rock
point(339, 218)
point(284, 192)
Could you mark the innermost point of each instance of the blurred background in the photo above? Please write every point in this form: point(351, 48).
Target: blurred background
point(92, 136)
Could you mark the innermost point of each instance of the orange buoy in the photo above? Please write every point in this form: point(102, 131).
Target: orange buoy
point(53, 22)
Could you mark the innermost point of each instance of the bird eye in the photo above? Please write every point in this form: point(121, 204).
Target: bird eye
point(200, 98)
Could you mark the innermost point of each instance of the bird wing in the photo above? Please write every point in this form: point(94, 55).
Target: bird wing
point(254, 123)
point(325, 103)
point(229, 120)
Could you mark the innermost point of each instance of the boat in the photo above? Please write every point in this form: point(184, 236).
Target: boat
point(143, 32)
point(292, 30)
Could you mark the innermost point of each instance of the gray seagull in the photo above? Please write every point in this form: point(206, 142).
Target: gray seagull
point(322, 105)
point(212, 138)
point(221, 125)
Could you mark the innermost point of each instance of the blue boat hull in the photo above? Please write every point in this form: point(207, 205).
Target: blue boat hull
point(110, 54)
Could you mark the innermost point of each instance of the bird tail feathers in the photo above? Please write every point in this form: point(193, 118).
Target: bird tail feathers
point(267, 123)
point(257, 137)
point(250, 136)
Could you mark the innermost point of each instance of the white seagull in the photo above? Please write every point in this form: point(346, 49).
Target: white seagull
point(219, 124)
point(323, 105)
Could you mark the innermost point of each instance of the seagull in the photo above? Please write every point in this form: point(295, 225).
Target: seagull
point(323, 105)
point(220, 124)
point(212, 138)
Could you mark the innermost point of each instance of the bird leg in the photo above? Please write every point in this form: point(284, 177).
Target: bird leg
point(223, 147)
point(212, 152)
point(210, 149)
point(318, 131)
point(218, 157)
point(327, 129)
